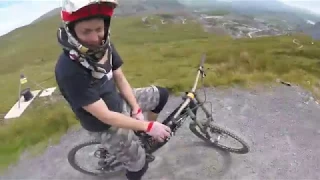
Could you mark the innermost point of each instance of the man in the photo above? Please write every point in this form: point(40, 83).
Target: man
point(90, 78)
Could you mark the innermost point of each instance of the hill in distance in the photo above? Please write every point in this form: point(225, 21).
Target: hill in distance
point(254, 7)
point(272, 11)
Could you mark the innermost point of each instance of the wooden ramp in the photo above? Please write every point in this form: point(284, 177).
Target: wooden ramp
point(16, 111)
point(47, 92)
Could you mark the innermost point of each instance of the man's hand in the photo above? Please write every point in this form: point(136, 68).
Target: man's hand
point(137, 114)
point(158, 131)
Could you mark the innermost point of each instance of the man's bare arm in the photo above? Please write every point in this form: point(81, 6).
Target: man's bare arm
point(125, 89)
point(100, 110)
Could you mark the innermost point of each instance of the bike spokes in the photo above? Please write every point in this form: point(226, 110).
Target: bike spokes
point(217, 136)
point(90, 158)
point(222, 138)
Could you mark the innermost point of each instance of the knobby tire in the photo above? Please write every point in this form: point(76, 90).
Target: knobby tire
point(71, 159)
point(215, 127)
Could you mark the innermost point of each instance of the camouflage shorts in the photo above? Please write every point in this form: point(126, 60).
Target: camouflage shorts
point(147, 97)
point(123, 143)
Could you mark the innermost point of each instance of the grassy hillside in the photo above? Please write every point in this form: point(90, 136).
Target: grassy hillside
point(173, 50)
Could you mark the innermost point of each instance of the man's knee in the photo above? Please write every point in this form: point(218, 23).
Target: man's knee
point(163, 99)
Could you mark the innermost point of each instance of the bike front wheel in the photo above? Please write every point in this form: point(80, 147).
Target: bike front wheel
point(104, 165)
point(215, 136)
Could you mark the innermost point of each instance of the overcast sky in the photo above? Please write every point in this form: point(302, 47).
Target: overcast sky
point(16, 13)
point(311, 5)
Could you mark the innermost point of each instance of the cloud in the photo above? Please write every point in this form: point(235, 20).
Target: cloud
point(14, 14)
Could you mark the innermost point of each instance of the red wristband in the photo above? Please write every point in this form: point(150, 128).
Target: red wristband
point(149, 126)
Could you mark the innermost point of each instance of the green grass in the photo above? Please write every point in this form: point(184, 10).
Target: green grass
point(174, 51)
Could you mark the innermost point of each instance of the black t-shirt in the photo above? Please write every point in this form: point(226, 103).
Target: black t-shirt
point(79, 88)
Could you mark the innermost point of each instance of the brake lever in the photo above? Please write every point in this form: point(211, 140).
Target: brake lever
point(203, 74)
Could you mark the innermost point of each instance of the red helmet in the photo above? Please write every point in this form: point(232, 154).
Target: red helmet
point(73, 10)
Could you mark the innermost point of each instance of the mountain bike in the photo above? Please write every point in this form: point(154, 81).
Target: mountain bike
point(207, 130)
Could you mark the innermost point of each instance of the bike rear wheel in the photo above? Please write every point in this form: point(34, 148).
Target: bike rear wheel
point(111, 166)
point(217, 130)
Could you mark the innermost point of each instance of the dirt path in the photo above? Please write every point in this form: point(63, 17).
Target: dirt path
point(281, 125)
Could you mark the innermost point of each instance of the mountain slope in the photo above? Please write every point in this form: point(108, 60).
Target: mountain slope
point(251, 7)
point(248, 5)
point(47, 15)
